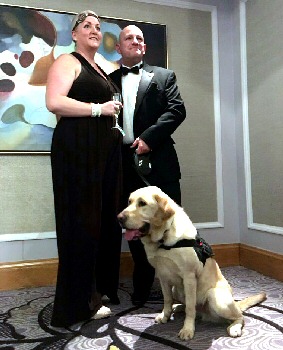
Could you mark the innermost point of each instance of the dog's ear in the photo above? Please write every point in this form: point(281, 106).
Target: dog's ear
point(164, 212)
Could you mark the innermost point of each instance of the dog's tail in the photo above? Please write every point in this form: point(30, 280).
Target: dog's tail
point(251, 301)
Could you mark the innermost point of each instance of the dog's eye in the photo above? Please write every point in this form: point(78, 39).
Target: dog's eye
point(142, 203)
point(129, 201)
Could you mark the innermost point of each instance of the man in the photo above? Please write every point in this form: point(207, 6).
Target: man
point(152, 110)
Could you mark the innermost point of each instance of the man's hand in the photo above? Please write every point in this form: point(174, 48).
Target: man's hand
point(142, 147)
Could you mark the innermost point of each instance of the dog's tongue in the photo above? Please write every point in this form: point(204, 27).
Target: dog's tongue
point(132, 234)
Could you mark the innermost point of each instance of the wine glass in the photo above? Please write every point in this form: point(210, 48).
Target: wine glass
point(117, 97)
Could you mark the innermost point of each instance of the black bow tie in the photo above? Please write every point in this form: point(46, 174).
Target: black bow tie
point(135, 69)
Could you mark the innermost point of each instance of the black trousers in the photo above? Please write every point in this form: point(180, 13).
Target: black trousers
point(144, 273)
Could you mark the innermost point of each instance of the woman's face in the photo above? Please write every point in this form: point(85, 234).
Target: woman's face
point(87, 34)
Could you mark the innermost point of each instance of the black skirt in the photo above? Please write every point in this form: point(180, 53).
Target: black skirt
point(86, 173)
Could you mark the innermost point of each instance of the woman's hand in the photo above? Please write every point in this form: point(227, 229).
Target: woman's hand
point(111, 108)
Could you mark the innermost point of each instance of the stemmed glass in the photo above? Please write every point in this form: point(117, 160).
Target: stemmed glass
point(117, 97)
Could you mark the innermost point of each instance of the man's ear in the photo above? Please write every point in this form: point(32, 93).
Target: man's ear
point(144, 49)
point(117, 47)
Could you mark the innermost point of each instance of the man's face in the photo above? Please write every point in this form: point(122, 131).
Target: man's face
point(131, 45)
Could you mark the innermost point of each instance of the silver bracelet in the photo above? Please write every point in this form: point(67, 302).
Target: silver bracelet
point(95, 109)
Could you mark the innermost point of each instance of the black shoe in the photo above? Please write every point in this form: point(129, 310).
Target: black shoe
point(153, 296)
point(113, 299)
point(138, 302)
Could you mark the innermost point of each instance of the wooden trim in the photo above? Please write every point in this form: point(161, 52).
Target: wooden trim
point(126, 264)
point(36, 273)
point(27, 274)
point(227, 254)
point(263, 261)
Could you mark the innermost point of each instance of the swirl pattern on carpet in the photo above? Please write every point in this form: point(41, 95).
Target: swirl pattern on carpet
point(25, 321)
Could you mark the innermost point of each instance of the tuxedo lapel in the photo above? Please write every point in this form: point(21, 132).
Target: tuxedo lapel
point(143, 86)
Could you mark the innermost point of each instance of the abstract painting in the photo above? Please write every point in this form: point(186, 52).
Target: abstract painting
point(30, 40)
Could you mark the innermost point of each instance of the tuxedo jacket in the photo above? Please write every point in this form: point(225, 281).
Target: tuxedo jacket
point(159, 110)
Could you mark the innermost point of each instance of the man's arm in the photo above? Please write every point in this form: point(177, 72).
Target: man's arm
point(172, 116)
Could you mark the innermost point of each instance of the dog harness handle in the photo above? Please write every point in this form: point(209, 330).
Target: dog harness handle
point(201, 247)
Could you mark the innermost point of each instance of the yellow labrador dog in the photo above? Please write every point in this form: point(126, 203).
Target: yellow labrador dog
point(186, 271)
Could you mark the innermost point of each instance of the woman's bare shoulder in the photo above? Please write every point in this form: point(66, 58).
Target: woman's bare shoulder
point(66, 57)
point(66, 61)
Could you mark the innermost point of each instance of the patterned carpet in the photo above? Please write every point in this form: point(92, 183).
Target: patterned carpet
point(25, 316)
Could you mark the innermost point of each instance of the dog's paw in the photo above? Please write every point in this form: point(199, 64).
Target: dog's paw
point(161, 318)
point(235, 330)
point(186, 333)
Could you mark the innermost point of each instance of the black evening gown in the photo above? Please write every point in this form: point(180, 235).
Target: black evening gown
point(86, 173)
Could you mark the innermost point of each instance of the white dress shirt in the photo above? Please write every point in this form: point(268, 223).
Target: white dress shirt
point(130, 85)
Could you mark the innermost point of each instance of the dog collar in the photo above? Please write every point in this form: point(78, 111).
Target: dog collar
point(201, 247)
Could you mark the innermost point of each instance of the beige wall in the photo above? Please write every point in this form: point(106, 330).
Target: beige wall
point(265, 88)
point(26, 196)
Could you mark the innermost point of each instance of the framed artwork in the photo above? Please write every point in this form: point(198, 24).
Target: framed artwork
point(30, 40)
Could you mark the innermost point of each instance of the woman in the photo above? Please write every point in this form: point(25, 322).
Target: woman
point(86, 168)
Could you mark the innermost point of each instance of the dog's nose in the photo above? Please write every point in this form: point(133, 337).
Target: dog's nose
point(121, 218)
